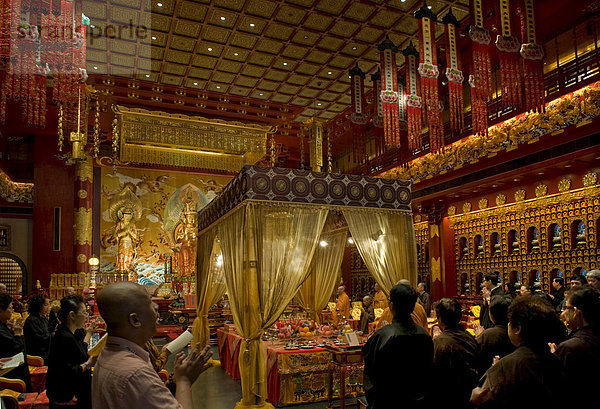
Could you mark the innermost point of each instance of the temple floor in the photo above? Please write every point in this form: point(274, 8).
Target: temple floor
point(215, 389)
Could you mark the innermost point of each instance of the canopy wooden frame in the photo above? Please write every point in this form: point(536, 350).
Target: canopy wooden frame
point(377, 211)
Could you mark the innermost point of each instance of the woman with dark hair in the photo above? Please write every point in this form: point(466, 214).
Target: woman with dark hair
point(69, 367)
point(11, 343)
point(35, 330)
point(531, 376)
point(510, 289)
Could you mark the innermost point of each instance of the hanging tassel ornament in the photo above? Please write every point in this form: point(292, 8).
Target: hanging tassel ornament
point(510, 64)
point(413, 99)
point(378, 115)
point(480, 79)
point(358, 118)
point(429, 72)
point(454, 73)
point(533, 67)
point(389, 92)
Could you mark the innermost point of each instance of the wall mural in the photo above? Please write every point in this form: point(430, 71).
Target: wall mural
point(150, 217)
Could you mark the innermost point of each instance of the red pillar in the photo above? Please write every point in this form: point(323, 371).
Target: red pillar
point(84, 187)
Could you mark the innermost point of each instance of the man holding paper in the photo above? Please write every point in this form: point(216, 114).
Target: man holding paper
point(123, 375)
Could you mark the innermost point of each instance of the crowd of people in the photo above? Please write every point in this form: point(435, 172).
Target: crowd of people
point(126, 372)
point(531, 350)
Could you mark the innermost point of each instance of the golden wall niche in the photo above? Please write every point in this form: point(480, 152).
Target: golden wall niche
point(561, 247)
point(159, 138)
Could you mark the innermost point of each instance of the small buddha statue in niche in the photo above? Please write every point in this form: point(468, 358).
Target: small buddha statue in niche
point(497, 248)
point(556, 240)
point(465, 250)
point(515, 244)
point(480, 249)
point(580, 236)
point(535, 241)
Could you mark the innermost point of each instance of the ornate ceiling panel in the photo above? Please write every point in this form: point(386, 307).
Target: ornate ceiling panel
point(289, 52)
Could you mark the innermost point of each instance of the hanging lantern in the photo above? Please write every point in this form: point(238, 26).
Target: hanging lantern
point(533, 69)
point(454, 73)
point(413, 99)
point(429, 73)
point(389, 92)
point(480, 79)
point(378, 116)
point(510, 65)
point(358, 118)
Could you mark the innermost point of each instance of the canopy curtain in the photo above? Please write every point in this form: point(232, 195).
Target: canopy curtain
point(324, 273)
point(266, 249)
point(213, 290)
point(204, 267)
point(386, 242)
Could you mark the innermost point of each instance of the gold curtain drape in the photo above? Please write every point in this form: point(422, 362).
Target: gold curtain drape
point(386, 242)
point(266, 254)
point(324, 273)
point(210, 290)
point(204, 265)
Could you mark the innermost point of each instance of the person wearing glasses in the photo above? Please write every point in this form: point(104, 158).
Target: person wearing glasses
point(580, 354)
point(69, 378)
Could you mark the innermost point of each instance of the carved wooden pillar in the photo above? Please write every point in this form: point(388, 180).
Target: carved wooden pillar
point(436, 262)
point(83, 213)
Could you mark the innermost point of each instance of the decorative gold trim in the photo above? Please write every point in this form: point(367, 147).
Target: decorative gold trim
point(520, 195)
point(483, 203)
point(83, 226)
point(500, 199)
point(590, 178)
point(467, 207)
point(564, 184)
point(12, 191)
point(451, 210)
point(541, 190)
point(154, 137)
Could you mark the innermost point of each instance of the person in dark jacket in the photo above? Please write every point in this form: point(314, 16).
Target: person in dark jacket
point(402, 344)
point(11, 343)
point(559, 294)
point(495, 341)
point(69, 368)
point(454, 357)
point(35, 329)
point(580, 354)
point(424, 298)
point(490, 282)
point(531, 376)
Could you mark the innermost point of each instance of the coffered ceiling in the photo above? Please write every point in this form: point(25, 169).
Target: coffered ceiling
point(294, 53)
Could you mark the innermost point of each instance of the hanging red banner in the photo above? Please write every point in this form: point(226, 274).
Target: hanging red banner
point(533, 65)
point(389, 92)
point(480, 79)
point(378, 115)
point(413, 99)
point(429, 73)
point(358, 118)
point(454, 73)
point(510, 65)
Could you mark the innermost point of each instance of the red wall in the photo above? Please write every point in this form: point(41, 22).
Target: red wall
point(53, 187)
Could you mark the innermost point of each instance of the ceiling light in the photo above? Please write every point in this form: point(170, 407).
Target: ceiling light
point(209, 49)
point(540, 173)
point(236, 54)
point(159, 4)
point(403, 1)
point(568, 166)
point(515, 180)
point(492, 186)
point(154, 37)
point(95, 67)
point(147, 75)
point(261, 94)
point(323, 243)
point(251, 24)
point(92, 26)
point(328, 72)
point(319, 104)
point(222, 18)
point(195, 83)
point(284, 63)
point(218, 87)
point(350, 240)
point(354, 48)
point(429, 7)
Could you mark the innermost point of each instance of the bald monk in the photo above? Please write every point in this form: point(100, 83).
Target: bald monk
point(379, 299)
point(418, 314)
point(342, 307)
point(123, 376)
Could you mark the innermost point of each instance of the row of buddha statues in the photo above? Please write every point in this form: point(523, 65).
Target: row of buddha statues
point(555, 241)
